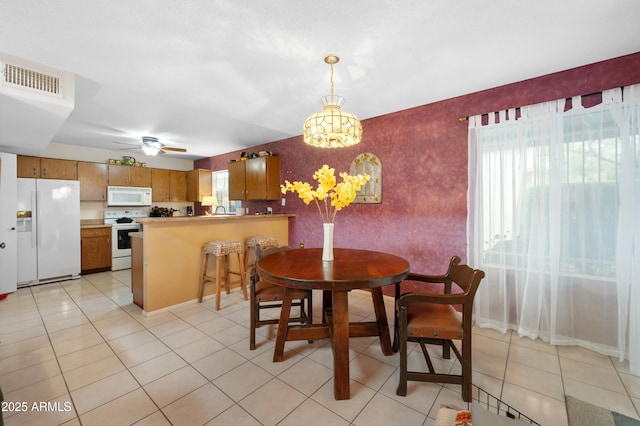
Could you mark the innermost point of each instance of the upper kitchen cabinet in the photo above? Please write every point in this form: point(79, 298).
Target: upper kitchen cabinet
point(255, 179)
point(160, 185)
point(28, 167)
point(178, 185)
point(129, 176)
point(199, 184)
point(237, 181)
point(168, 185)
point(94, 178)
point(46, 168)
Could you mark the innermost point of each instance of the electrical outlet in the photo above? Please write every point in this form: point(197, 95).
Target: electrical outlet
point(284, 201)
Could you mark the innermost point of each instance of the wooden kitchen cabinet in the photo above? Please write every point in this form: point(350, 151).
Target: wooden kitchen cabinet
point(94, 178)
point(160, 185)
point(28, 167)
point(178, 185)
point(168, 185)
point(129, 176)
point(46, 168)
point(255, 179)
point(237, 182)
point(95, 249)
point(198, 184)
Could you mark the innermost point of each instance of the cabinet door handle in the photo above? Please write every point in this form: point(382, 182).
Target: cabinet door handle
point(44, 172)
point(35, 172)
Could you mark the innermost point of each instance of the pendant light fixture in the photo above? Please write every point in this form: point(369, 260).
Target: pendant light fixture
point(332, 127)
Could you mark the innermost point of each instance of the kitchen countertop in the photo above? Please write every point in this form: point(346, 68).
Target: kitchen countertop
point(214, 217)
point(93, 225)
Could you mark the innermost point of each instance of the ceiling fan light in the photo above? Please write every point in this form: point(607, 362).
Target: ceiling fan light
point(150, 150)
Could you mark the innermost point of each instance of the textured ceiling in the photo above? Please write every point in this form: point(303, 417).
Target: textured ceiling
point(215, 76)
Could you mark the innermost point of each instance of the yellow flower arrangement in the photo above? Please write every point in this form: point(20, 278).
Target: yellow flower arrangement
point(335, 196)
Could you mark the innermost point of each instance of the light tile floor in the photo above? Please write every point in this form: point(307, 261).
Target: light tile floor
point(79, 352)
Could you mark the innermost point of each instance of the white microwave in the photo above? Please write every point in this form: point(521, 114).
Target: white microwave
point(124, 196)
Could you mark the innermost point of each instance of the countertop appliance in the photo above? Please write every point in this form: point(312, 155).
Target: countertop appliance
point(48, 225)
point(123, 223)
point(126, 196)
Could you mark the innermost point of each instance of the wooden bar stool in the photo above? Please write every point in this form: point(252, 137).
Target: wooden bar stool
point(221, 250)
point(264, 241)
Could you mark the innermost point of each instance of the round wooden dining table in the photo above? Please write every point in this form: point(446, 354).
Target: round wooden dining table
point(351, 269)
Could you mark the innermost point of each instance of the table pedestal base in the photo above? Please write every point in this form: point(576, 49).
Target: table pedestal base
point(337, 328)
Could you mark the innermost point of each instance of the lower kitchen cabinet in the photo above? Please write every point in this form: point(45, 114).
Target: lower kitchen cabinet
point(95, 250)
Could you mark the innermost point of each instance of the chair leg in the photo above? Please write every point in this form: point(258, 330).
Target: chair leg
point(309, 319)
point(402, 383)
point(446, 349)
point(466, 371)
point(243, 276)
point(219, 266)
point(227, 276)
point(249, 261)
point(310, 306)
point(203, 274)
point(246, 257)
point(254, 312)
point(394, 347)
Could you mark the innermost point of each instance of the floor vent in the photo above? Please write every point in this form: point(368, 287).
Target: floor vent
point(30, 79)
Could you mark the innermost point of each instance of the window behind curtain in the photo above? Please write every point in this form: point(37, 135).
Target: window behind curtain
point(220, 188)
point(554, 196)
point(583, 173)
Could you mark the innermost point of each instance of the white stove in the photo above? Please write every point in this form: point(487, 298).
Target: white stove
point(123, 223)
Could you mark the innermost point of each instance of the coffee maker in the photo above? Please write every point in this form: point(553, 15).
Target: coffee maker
point(189, 211)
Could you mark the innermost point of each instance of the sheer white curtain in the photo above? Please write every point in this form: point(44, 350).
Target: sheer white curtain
point(554, 221)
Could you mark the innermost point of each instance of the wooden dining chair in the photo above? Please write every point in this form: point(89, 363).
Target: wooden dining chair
point(432, 318)
point(264, 295)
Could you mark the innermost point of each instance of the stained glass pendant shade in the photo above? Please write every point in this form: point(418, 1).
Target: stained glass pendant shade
point(332, 127)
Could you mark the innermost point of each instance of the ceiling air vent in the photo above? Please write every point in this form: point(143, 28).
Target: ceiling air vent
point(29, 79)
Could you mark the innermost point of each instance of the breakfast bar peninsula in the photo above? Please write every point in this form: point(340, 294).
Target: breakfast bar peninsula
point(166, 257)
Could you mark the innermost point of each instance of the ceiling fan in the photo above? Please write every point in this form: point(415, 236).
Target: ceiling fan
point(152, 146)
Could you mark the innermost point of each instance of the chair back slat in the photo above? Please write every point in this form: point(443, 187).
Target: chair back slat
point(465, 277)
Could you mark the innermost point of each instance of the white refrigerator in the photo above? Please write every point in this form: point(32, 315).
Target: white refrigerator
point(48, 225)
point(8, 234)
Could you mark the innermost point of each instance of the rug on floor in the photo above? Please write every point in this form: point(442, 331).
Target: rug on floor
point(584, 414)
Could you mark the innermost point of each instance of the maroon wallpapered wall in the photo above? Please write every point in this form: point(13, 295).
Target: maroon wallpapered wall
point(423, 151)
